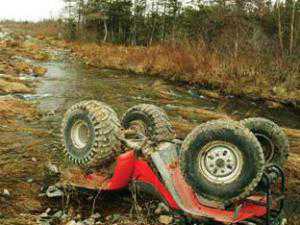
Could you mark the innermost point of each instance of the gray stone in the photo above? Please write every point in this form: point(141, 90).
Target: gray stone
point(53, 192)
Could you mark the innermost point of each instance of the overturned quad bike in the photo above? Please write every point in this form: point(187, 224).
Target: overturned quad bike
point(224, 171)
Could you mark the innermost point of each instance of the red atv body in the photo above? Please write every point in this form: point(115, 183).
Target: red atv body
point(167, 180)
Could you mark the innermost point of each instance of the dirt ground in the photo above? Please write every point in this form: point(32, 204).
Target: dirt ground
point(30, 154)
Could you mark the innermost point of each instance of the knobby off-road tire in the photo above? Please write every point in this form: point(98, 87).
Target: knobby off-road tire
point(90, 131)
point(150, 120)
point(222, 161)
point(272, 139)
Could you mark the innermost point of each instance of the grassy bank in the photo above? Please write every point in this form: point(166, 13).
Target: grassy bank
point(245, 74)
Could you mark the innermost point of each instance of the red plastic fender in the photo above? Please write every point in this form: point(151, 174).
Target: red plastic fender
point(123, 171)
point(144, 173)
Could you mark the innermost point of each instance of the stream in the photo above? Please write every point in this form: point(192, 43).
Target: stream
point(68, 82)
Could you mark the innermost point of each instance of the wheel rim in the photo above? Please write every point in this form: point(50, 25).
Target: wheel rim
point(80, 134)
point(267, 146)
point(220, 162)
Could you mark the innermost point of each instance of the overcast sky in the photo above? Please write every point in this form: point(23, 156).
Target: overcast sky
point(30, 9)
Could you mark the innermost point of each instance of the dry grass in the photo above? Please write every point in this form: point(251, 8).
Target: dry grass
point(247, 74)
point(46, 28)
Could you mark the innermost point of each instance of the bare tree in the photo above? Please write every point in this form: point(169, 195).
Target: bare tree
point(293, 11)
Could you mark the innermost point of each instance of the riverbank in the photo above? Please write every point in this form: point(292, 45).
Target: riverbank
point(246, 76)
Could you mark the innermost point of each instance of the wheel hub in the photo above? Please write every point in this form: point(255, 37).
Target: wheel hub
point(220, 162)
point(80, 134)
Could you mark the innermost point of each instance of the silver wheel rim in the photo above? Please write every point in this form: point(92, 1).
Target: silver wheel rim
point(220, 162)
point(80, 134)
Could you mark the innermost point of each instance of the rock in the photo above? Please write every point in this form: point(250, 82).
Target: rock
point(161, 208)
point(6, 193)
point(54, 192)
point(53, 168)
point(163, 219)
point(33, 159)
point(39, 71)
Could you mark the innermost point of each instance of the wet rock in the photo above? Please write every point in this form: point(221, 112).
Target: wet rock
point(165, 219)
point(161, 208)
point(54, 192)
point(39, 71)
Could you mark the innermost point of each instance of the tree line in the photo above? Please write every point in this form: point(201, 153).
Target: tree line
point(230, 26)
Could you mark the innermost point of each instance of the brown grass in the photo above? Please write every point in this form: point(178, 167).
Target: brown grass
point(247, 74)
point(46, 28)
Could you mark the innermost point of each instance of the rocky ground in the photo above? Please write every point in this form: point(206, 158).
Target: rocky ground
point(30, 159)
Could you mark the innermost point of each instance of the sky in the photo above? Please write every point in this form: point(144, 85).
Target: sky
point(32, 10)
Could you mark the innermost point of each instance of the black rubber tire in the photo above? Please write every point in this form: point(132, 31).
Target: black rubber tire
point(104, 128)
point(156, 122)
point(231, 132)
point(275, 135)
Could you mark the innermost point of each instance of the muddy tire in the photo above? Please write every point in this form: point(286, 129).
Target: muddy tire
point(90, 131)
point(222, 161)
point(272, 139)
point(150, 120)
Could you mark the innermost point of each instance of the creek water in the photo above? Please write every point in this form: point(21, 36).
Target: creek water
point(68, 82)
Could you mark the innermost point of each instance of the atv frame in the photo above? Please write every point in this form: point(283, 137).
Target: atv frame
point(160, 171)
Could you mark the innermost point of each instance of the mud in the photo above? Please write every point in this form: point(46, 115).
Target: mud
point(30, 136)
